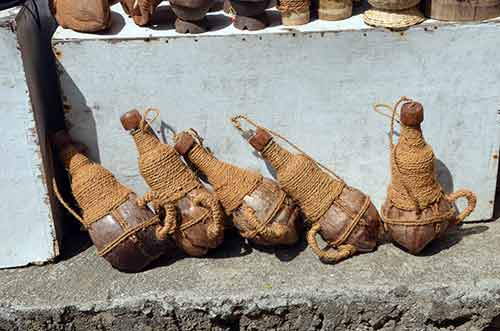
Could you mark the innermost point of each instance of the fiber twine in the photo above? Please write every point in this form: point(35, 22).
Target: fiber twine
point(231, 185)
point(413, 184)
point(170, 180)
point(314, 190)
point(95, 189)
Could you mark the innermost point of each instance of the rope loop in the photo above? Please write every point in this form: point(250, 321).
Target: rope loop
point(329, 256)
point(65, 204)
point(145, 124)
point(471, 202)
point(236, 121)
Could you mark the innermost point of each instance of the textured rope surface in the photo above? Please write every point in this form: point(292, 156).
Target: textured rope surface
point(170, 180)
point(230, 183)
point(414, 186)
point(161, 166)
point(333, 255)
point(302, 179)
point(95, 189)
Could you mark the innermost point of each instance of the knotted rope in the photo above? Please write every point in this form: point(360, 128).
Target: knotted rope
point(231, 185)
point(170, 179)
point(305, 181)
point(413, 185)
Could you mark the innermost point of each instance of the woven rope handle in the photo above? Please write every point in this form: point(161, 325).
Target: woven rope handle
point(471, 202)
point(341, 253)
point(216, 227)
point(64, 204)
point(393, 115)
point(235, 120)
point(169, 222)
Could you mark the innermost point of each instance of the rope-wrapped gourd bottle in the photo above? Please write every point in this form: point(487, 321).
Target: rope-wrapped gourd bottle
point(416, 209)
point(344, 216)
point(261, 211)
point(123, 233)
point(195, 215)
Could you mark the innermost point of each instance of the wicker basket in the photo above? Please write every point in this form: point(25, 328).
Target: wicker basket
point(400, 19)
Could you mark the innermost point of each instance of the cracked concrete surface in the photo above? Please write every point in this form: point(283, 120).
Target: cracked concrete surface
point(455, 286)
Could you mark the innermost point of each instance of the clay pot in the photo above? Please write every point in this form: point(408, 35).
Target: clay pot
point(349, 223)
point(250, 14)
point(416, 223)
point(82, 15)
point(261, 211)
point(125, 234)
point(176, 192)
point(141, 11)
point(191, 15)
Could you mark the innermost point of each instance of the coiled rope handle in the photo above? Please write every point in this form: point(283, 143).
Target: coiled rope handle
point(216, 227)
point(471, 202)
point(170, 219)
point(330, 256)
point(235, 121)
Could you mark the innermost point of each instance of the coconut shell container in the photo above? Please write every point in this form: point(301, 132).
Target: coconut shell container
point(342, 215)
point(260, 209)
point(417, 210)
point(127, 235)
point(194, 215)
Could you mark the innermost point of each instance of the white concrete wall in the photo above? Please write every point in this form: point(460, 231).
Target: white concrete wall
point(26, 228)
point(315, 84)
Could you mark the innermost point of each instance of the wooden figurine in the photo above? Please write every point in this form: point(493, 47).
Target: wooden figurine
point(343, 216)
point(417, 210)
point(261, 211)
point(194, 214)
point(141, 11)
point(82, 15)
point(126, 235)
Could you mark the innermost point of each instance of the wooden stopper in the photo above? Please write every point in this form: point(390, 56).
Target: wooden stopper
point(131, 120)
point(260, 140)
point(184, 143)
point(412, 114)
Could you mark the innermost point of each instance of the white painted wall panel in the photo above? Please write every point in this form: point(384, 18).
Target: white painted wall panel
point(316, 85)
point(26, 227)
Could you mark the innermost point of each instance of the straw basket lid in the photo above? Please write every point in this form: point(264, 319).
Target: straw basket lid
point(393, 4)
point(399, 19)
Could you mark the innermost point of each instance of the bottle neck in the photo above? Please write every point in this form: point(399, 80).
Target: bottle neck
point(276, 155)
point(231, 183)
point(73, 160)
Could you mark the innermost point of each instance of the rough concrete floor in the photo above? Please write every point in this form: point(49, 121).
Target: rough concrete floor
point(455, 286)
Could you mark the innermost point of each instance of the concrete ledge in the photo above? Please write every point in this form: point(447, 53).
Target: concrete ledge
point(456, 286)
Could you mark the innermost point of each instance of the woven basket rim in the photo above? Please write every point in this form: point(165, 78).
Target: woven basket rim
point(393, 19)
point(393, 4)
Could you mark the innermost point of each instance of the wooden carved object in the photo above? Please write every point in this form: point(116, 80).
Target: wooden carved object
point(191, 15)
point(141, 11)
point(460, 10)
point(417, 210)
point(82, 15)
point(193, 214)
point(250, 14)
point(261, 211)
point(126, 235)
point(343, 216)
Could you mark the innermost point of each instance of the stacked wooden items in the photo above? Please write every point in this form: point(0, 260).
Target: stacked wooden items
point(94, 15)
point(181, 214)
